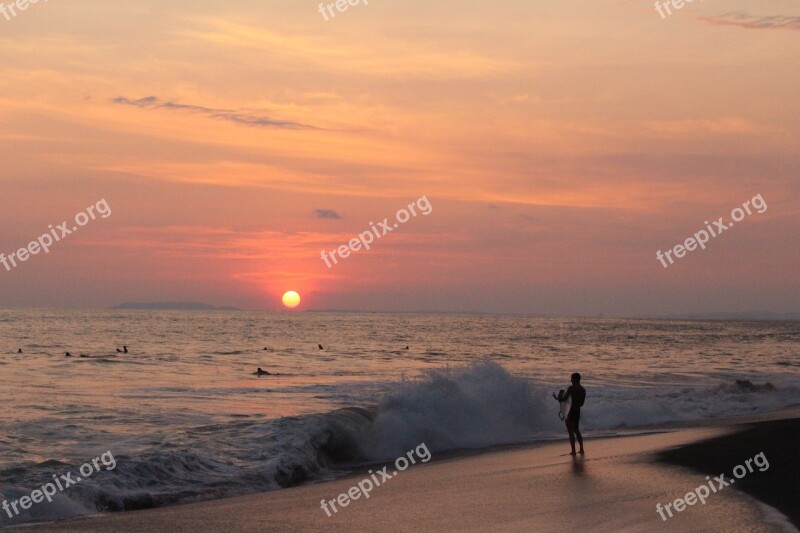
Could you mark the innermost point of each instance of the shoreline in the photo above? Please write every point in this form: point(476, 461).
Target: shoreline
point(520, 487)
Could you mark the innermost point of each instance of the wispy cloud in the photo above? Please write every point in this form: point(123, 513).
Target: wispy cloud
point(326, 213)
point(386, 58)
point(701, 127)
point(755, 22)
point(237, 117)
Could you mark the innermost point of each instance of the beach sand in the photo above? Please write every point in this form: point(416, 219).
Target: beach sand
point(615, 487)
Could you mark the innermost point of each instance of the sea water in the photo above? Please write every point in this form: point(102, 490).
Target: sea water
point(186, 419)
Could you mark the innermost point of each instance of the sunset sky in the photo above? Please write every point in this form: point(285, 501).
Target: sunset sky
point(561, 144)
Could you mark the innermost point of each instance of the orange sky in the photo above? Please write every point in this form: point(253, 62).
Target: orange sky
point(560, 145)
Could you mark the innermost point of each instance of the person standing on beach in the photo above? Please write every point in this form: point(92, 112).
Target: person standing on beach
point(578, 395)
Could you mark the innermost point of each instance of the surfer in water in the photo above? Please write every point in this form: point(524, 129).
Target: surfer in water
point(577, 394)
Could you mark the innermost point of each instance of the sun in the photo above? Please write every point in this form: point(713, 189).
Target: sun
point(291, 299)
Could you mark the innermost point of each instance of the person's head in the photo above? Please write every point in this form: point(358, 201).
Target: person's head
point(575, 378)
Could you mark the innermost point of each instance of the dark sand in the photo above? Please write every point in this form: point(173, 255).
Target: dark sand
point(615, 487)
point(777, 486)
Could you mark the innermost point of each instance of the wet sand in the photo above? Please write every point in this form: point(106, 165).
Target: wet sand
point(615, 486)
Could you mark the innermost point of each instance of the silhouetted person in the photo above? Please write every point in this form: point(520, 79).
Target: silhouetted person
point(320, 346)
point(260, 372)
point(578, 395)
point(67, 354)
point(19, 351)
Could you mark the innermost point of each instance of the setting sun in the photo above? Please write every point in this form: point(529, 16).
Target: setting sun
point(291, 299)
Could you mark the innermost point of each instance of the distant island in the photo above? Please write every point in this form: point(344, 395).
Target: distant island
point(173, 306)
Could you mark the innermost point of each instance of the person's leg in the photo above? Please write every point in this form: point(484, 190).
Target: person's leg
point(578, 434)
point(571, 431)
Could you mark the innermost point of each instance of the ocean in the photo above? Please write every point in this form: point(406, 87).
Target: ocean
point(186, 419)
